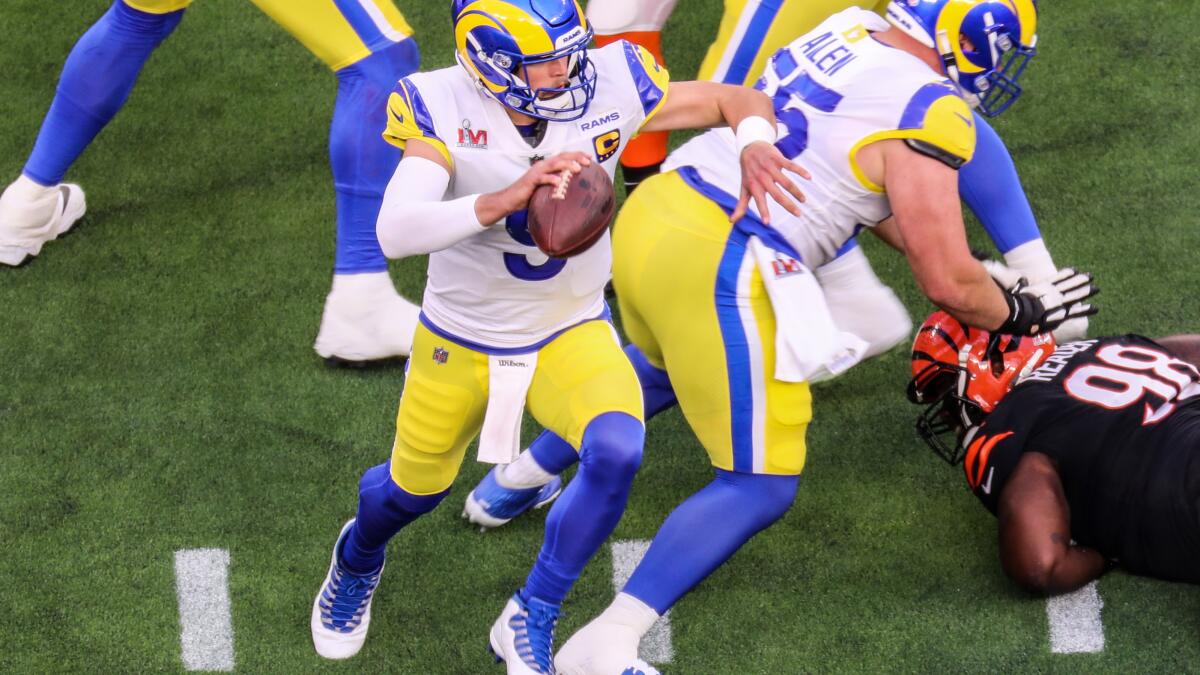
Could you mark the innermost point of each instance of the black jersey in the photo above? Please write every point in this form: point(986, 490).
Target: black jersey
point(1120, 417)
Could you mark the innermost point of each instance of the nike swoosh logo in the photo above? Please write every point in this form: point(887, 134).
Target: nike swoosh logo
point(970, 122)
point(987, 487)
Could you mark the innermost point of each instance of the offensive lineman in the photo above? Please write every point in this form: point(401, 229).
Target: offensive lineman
point(368, 46)
point(878, 113)
point(1088, 454)
point(749, 33)
point(502, 324)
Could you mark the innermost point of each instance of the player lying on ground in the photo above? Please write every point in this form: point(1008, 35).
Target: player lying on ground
point(728, 322)
point(750, 32)
point(368, 46)
point(502, 324)
point(1088, 453)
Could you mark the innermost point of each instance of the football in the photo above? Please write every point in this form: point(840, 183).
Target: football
point(565, 220)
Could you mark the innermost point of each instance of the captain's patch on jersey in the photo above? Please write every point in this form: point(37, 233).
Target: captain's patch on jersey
point(607, 144)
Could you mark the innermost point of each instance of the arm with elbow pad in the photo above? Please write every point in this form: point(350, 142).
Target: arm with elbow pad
point(414, 219)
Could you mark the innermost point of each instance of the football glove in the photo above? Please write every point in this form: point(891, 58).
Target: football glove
point(1044, 306)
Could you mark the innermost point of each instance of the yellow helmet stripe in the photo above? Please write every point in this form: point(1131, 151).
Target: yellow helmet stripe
point(525, 30)
point(950, 22)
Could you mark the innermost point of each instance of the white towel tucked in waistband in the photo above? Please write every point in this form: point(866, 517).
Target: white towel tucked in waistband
point(808, 346)
point(508, 383)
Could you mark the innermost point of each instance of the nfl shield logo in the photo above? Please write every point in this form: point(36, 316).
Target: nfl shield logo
point(440, 355)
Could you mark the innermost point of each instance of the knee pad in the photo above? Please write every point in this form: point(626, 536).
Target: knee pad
point(764, 497)
point(612, 446)
point(861, 304)
point(657, 392)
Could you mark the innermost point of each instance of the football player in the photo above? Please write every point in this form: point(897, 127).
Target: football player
point(878, 112)
point(752, 30)
point(502, 325)
point(367, 44)
point(1088, 454)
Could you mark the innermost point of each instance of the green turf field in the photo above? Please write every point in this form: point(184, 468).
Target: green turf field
point(159, 392)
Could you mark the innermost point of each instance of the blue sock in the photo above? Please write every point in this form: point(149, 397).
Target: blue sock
point(589, 507)
point(991, 188)
point(362, 161)
point(705, 530)
point(555, 455)
point(96, 80)
point(384, 508)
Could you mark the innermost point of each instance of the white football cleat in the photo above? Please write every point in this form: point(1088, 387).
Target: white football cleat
point(523, 636)
point(602, 648)
point(32, 214)
point(365, 319)
point(341, 613)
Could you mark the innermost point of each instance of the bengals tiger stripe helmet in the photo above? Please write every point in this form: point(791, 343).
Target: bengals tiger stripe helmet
point(960, 373)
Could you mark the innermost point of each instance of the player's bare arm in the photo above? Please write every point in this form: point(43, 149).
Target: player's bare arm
point(1036, 551)
point(888, 232)
point(928, 218)
point(1186, 347)
point(700, 105)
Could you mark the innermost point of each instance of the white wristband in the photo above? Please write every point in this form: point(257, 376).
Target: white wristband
point(752, 130)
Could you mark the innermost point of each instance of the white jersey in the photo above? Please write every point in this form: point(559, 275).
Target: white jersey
point(836, 90)
point(495, 289)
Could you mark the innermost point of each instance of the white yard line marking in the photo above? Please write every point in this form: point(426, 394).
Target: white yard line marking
point(202, 584)
point(656, 644)
point(1075, 626)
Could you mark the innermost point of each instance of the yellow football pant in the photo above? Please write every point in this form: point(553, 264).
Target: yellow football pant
point(580, 375)
point(340, 32)
point(692, 300)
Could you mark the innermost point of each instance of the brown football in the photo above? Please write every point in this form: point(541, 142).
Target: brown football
point(567, 221)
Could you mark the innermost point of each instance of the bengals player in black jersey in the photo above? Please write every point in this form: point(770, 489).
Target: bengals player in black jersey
point(1088, 452)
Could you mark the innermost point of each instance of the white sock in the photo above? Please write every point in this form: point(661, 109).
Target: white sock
point(1032, 260)
point(523, 474)
point(627, 610)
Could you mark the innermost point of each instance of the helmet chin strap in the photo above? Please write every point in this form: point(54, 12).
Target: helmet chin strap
point(950, 65)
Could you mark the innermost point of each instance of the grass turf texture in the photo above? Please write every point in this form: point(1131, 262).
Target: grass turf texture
point(158, 388)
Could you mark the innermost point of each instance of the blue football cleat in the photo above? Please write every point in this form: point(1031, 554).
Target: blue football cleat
point(492, 505)
point(341, 613)
point(523, 636)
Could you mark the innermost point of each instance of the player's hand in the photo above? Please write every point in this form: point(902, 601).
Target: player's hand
point(1044, 306)
point(762, 175)
point(543, 172)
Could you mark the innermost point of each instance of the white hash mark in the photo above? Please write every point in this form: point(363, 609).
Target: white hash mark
point(202, 584)
point(1075, 626)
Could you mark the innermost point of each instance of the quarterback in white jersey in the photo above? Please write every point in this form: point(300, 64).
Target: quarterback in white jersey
point(504, 327)
point(879, 117)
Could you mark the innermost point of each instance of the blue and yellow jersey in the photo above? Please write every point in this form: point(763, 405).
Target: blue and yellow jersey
point(496, 288)
point(339, 32)
point(836, 90)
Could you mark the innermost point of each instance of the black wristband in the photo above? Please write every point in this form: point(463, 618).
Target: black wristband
point(1025, 314)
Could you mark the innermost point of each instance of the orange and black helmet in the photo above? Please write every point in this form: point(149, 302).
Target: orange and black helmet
point(960, 374)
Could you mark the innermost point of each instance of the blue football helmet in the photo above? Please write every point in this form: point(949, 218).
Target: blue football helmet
point(1002, 35)
point(495, 40)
